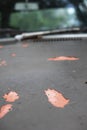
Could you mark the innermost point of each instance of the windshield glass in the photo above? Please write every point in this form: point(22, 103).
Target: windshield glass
point(38, 15)
point(45, 19)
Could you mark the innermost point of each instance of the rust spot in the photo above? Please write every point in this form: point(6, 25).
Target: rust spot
point(56, 98)
point(5, 109)
point(1, 46)
point(62, 58)
point(13, 54)
point(25, 45)
point(11, 97)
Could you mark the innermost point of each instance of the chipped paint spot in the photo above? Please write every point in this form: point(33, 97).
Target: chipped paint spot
point(11, 97)
point(3, 63)
point(62, 58)
point(25, 45)
point(56, 98)
point(13, 54)
point(5, 109)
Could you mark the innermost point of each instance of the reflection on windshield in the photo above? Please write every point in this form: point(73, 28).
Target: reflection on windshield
point(45, 19)
point(34, 15)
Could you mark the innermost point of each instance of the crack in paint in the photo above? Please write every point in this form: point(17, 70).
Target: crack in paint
point(5, 109)
point(11, 97)
point(62, 58)
point(56, 98)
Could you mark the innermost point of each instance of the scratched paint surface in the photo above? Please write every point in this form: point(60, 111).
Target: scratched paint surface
point(62, 58)
point(56, 98)
point(11, 97)
point(5, 109)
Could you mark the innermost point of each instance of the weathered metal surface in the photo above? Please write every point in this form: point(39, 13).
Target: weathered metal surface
point(30, 74)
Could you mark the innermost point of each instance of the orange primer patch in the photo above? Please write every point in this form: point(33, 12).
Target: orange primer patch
point(25, 45)
point(5, 109)
point(11, 97)
point(62, 58)
point(56, 98)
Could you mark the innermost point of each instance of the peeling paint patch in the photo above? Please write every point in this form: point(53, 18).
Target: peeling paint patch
point(11, 97)
point(5, 109)
point(62, 58)
point(56, 98)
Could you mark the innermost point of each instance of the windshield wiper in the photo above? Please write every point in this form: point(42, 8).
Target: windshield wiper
point(32, 35)
point(66, 33)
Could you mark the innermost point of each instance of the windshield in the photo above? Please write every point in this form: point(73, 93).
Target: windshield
point(38, 15)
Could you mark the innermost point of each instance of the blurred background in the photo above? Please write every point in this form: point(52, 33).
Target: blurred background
point(36, 15)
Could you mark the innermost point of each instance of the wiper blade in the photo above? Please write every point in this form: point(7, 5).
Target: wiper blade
point(31, 35)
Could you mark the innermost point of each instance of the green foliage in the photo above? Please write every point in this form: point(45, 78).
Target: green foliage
point(41, 20)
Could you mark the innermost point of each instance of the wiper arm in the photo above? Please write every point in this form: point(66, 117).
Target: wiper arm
point(31, 35)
